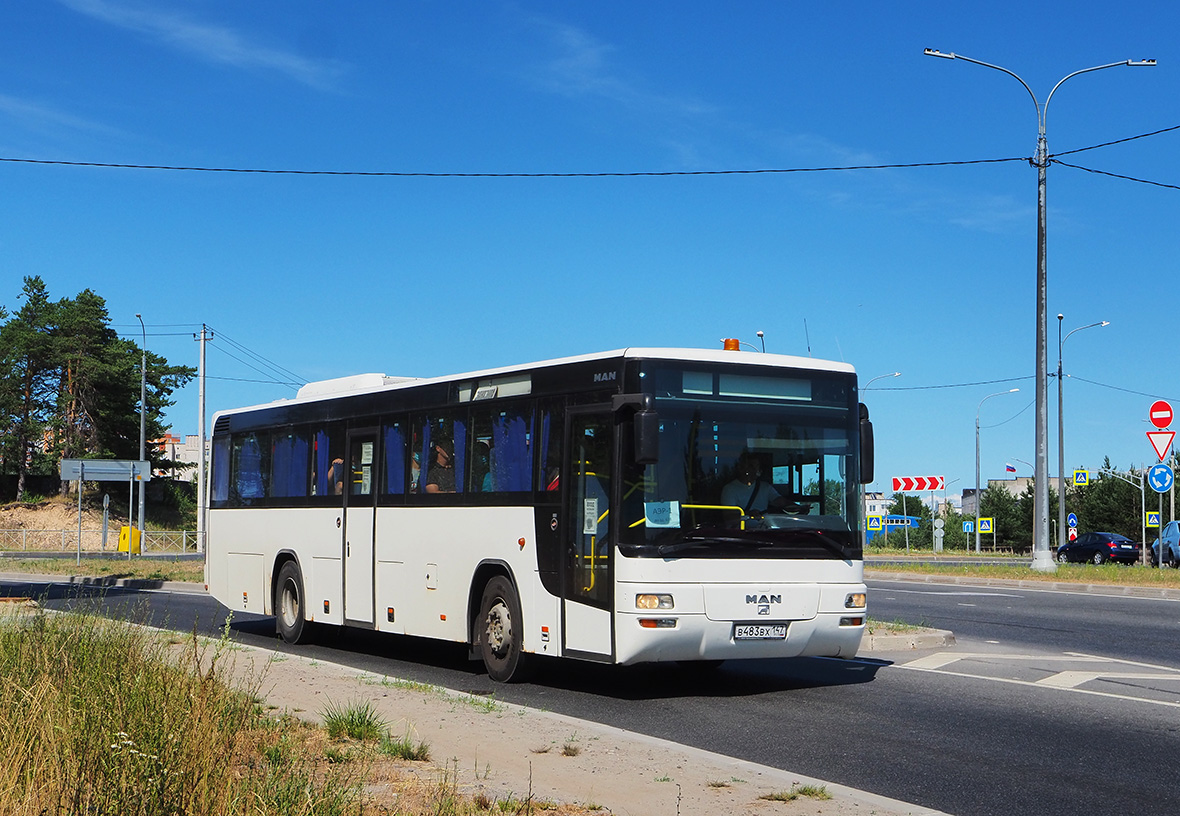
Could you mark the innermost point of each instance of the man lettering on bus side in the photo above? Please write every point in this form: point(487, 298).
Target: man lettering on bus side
point(440, 477)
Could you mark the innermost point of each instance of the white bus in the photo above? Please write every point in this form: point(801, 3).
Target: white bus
point(624, 507)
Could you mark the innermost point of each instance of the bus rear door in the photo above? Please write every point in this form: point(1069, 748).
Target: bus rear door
point(359, 519)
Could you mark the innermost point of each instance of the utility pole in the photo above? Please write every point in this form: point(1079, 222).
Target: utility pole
point(202, 338)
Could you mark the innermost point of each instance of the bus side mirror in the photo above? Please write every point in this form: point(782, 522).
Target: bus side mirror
point(647, 437)
point(866, 446)
point(645, 425)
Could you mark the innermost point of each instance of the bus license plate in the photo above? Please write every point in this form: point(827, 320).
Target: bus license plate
point(759, 631)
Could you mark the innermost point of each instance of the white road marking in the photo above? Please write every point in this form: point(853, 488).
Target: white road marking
point(1069, 680)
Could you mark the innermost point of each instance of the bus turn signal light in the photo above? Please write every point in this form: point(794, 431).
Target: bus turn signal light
point(658, 623)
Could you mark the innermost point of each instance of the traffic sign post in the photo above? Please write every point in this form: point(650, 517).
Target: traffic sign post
point(1161, 477)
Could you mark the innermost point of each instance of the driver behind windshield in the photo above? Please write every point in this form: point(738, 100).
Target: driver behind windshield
point(748, 490)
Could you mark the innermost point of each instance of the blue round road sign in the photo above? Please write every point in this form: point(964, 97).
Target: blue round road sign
point(1160, 477)
point(1072, 520)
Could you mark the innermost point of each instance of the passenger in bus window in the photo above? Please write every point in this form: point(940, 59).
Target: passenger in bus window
point(336, 476)
point(440, 476)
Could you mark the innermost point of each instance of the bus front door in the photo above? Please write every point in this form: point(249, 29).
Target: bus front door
point(360, 492)
point(587, 566)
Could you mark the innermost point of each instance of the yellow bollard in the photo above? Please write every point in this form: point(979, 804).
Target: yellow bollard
point(129, 534)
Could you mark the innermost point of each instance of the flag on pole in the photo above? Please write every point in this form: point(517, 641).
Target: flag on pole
point(1009, 468)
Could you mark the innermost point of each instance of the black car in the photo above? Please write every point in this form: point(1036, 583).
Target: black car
point(1098, 548)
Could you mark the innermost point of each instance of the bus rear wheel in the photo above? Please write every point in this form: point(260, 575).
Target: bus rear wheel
point(289, 617)
point(499, 631)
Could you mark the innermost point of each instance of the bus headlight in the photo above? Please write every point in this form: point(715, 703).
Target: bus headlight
point(652, 601)
point(854, 600)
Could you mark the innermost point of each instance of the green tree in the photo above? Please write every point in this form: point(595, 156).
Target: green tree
point(70, 385)
point(1001, 506)
point(26, 348)
point(1107, 504)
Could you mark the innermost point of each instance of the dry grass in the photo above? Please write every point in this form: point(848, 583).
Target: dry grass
point(106, 717)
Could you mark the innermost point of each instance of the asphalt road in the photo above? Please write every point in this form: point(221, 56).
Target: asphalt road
point(1050, 703)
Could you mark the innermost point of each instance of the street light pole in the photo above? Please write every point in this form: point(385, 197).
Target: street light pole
point(978, 495)
point(1061, 422)
point(142, 424)
point(1042, 560)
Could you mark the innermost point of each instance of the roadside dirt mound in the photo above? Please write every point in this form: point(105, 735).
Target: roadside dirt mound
point(52, 524)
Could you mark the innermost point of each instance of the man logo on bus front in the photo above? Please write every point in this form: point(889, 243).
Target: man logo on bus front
point(764, 602)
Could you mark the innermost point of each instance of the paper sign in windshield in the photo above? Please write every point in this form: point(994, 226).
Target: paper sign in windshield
point(661, 514)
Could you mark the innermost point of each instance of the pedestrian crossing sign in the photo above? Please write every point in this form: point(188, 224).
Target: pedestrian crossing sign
point(1153, 519)
point(985, 525)
point(1081, 478)
point(876, 524)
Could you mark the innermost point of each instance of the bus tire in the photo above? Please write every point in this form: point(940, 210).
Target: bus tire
point(499, 631)
point(290, 622)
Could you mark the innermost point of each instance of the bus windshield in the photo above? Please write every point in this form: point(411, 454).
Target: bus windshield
point(765, 468)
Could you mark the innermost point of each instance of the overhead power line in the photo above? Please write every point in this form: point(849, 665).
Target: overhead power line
point(422, 174)
point(1118, 176)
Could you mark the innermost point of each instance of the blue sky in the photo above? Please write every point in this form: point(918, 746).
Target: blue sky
point(929, 271)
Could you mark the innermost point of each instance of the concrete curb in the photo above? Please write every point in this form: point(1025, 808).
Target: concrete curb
point(104, 582)
point(907, 641)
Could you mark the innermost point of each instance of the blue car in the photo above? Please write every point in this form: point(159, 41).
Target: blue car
point(1171, 542)
point(1098, 548)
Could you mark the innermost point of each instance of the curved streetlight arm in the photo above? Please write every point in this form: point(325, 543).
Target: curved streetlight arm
point(1079, 328)
point(1042, 111)
point(881, 377)
point(933, 52)
point(1132, 63)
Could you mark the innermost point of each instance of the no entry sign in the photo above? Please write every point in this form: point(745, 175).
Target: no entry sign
point(1161, 413)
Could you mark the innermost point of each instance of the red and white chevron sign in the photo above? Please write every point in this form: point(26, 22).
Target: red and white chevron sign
point(912, 484)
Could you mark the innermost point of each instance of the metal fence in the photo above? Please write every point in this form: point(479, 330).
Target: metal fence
point(153, 542)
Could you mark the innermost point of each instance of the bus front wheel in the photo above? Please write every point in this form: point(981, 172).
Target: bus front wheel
point(499, 631)
point(289, 617)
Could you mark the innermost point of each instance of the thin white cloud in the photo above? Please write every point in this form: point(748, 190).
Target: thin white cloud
point(213, 43)
point(36, 116)
point(584, 66)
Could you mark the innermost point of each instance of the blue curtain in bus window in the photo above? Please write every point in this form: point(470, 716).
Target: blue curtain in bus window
point(511, 463)
point(288, 467)
point(395, 460)
point(221, 469)
point(249, 474)
point(322, 463)
point(460, 454)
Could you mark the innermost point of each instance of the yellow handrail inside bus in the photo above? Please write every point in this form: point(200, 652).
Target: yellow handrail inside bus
point(741, 511)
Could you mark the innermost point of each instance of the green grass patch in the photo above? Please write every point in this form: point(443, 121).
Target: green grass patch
point(798, 791)
point(405, 747)
point(1112, 574)
point(150, 569)
point(358, 721)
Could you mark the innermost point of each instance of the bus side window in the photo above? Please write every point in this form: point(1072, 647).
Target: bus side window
point(250, 468)
point(220, 486)
point(328, 461)
point(289, 464)
point(394, 451)
point(549, 432)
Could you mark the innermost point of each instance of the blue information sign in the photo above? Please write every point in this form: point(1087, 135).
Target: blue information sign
point(1160, 477)
point(1072, 519)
